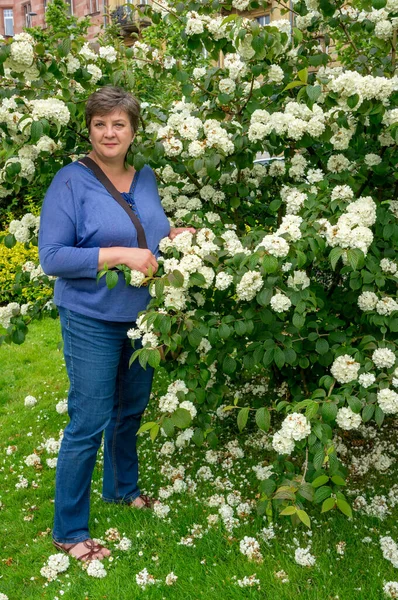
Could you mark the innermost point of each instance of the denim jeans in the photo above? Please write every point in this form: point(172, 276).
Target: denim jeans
point(105, 394)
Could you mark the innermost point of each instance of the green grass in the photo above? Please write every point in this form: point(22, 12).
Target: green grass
point(204, 571)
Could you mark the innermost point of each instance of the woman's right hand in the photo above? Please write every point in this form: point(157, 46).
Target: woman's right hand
point(138, 259)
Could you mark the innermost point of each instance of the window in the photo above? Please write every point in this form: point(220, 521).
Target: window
point(264, 19)
point(94, 6)
point(8, 21)
point(27, 9)
point(70, 6)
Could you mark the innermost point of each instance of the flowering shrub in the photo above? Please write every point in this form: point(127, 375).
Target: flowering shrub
point(282, 306)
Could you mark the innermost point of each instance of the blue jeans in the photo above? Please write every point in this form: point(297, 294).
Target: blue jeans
point(105, 394)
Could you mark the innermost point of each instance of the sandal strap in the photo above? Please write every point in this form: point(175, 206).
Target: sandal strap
point(92, 546)
point(147, 500)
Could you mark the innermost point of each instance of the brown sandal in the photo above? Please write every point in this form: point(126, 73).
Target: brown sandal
point(148, 502)
point(93, 548)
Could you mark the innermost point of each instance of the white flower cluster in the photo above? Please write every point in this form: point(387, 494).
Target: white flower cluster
point(144, 579)
point(390, 589)
point(108, 53)
point(51, 109)
point(383, 306)
point(56, 563)
point(304, 558)
point(170, 401)
point(388, 401)
point(366, 87)
point(352, 228)
point(389, 549)
point(250, 283)
point(8, 312)
point(30, 401)
point(250, 547)
point(383, 358)
point(345, 369)
point(296, 121)
point(280, 303)
point(299, 280)
point(347, 419)
point(388, 266)
point(294, 428)
point(96, 569)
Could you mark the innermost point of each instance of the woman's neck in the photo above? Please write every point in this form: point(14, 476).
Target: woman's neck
point(113, 168)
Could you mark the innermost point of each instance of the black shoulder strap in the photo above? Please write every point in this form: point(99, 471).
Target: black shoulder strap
point(108, 185)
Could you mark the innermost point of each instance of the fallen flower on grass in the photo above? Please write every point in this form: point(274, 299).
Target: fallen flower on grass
point(56, 563)
point(95, 568)
point(390, 589)
point(143, 579)
point(171, 578)
point(304, 558)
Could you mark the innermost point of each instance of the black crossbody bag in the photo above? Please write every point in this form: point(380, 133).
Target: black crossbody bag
point(108, 185)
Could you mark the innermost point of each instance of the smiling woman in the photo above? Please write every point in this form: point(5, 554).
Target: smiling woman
point(82, 229)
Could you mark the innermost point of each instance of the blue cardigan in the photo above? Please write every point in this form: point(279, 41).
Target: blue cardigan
point(78, 218)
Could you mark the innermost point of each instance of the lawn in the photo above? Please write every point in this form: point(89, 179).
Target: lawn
point(204, 553)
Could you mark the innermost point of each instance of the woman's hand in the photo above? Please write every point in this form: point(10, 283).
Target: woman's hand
point(174, 231)
point(137, 259)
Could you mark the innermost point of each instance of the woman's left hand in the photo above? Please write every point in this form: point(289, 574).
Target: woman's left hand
point(174, 231)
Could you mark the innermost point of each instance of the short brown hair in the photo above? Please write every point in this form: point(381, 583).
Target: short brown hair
point(107, 99)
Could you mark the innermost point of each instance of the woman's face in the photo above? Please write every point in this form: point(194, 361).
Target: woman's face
point(111, 135)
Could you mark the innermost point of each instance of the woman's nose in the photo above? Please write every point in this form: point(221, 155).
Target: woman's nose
point(109, 132)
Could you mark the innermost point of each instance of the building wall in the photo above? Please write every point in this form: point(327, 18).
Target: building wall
point(83, 8)
point(80, 8)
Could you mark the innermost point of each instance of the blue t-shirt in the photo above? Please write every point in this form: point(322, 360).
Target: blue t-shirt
point(78, 218)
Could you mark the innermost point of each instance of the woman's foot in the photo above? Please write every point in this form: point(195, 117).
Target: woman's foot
point(144, 501)
point(84, 551)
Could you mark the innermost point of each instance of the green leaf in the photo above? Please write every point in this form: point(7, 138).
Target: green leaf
point(176, 279)
point(168, 426)
point(322, 346)
point(224, 331)
point(379, 416)
point(344, 507)
point(354, 257)
point(312, 409)
point(154, 432)
point(111, 279)
point(298, 320)
point(289, 510)
point(264, 297)
point(329, 411)
point(368, 412)
point(138, 162)
point(304, 518)
point(267, 487)
point(313, 92)
point(334, 256)
point(303, 75)
point(181, 418)
point(243, 415)
point(328, 504)
point(194, 338)
point(154, 358)
point(263, 418)
point(355, 404)
point(293, 84)
point(146, 426)
point(229, 365)
point(36, 131)
point(378, 4)
point(353, 100)
point(337, 480)
point(318, 459)
point(9, 241)
point(322, 493)
point(279, 357)
point(198, 437)
point(319, 481)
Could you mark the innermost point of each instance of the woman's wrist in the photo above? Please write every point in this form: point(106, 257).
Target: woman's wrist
point(110, 257)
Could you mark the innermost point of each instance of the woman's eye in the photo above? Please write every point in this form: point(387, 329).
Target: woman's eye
point(99, 124)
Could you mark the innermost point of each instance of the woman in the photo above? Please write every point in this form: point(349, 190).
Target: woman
point(83, 229)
